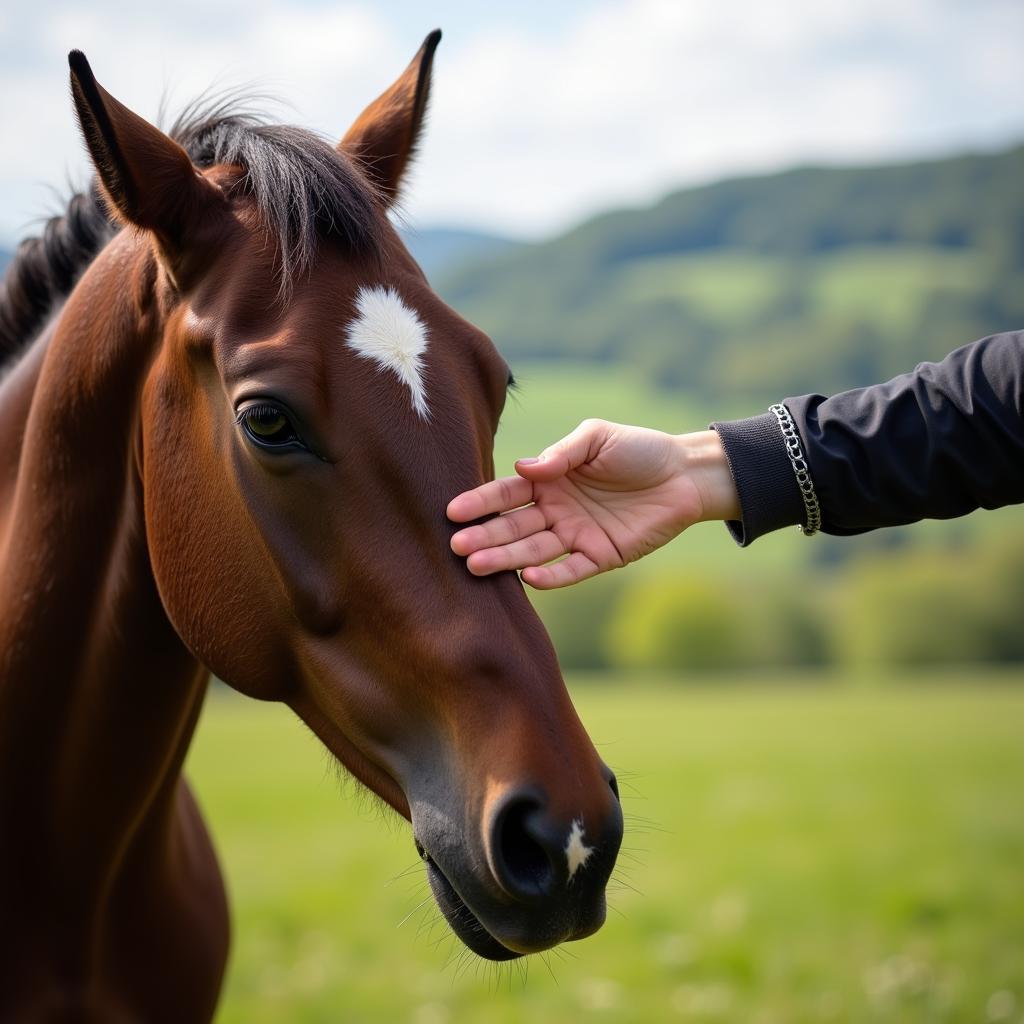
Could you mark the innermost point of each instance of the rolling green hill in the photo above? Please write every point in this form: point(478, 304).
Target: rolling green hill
point(812, 279)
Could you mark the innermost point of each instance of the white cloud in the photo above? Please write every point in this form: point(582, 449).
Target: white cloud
point(647, 95)
point(533, 125)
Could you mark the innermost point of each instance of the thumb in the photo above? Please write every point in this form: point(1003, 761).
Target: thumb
point(575, 449)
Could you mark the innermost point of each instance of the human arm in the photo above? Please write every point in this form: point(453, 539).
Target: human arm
point(935, 443)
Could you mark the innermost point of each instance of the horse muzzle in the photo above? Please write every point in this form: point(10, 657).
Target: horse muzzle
point(535, 878)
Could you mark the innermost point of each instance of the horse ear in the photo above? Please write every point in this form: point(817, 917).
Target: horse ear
point(383, 139)
point(147, 177)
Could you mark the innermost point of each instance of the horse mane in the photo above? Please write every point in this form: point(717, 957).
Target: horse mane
point(302, 186)
point(44, 269)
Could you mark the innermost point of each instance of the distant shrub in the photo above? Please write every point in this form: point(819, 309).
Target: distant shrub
point(703, 623)
point(795, 622)
point(924, 608)
point(999, 569)
point(675, 624)
point(578, 618)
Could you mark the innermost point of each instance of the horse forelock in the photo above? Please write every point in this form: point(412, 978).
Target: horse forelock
point(302, 186)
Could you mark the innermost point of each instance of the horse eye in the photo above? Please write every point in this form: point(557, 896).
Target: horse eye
point(269, 426)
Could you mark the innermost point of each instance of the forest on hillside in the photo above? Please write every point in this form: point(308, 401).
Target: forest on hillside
point(814, 279)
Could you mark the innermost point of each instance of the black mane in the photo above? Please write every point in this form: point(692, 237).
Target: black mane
point(303, 188)
point(44, 269)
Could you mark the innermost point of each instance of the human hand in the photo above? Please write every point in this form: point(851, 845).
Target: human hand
point(605, 495)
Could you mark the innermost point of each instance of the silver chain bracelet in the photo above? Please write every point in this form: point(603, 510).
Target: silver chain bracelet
point(803, 472)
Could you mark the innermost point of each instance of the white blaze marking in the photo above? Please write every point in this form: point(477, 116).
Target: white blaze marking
point(577, 853)
point(393, 336)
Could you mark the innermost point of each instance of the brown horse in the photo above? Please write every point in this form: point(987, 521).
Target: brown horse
point(229, 449)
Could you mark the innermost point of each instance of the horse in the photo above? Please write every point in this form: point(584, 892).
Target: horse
point(235, 411)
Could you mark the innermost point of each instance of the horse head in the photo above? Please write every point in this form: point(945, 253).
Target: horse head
point(310, 407)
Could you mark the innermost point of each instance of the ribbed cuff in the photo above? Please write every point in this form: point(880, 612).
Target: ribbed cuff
point(769, 494)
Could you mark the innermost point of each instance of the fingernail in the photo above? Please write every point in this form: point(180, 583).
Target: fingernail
point(527, 462)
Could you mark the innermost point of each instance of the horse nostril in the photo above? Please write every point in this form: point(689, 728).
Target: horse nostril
point(613, 784)
point(522, 862)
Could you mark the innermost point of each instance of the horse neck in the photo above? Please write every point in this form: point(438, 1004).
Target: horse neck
point(98, 696)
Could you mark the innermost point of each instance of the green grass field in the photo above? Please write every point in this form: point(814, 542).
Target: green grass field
point(836, 852)
point(884, 284)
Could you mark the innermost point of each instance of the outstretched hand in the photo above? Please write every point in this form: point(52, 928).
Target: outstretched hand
point(603, 496)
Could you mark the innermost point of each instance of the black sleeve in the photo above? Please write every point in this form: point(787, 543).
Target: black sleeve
point(935, 443)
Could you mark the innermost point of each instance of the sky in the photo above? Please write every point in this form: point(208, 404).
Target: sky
point(542, 113)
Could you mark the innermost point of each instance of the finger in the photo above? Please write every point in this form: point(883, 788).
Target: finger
point(496, 496)
point(535, 550)
point(573, 450)
point(569, 570)
point(500, 530)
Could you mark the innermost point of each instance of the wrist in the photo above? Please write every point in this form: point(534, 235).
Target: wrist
point(706, 465)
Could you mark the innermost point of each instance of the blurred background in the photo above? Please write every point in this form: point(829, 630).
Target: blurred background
point(663, 214)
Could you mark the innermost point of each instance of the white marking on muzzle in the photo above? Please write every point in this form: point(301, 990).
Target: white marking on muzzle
point(577, 853)
point(394, 337)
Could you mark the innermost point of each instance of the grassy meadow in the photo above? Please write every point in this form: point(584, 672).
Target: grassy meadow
point(795, 852)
